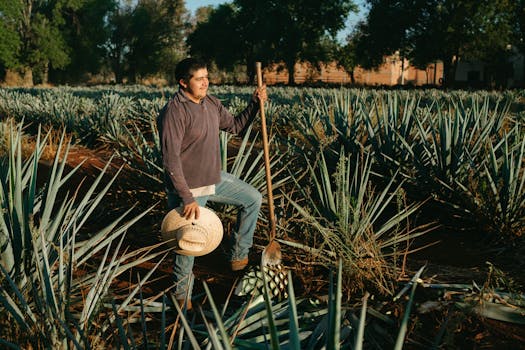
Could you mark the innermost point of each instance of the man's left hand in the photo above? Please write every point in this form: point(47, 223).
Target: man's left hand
point(260, 93)
point(191, 210)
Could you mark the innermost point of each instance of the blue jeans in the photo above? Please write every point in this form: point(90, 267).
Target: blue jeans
point(233, 191)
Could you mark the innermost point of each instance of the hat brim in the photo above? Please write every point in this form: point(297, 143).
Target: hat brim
point(192, 237)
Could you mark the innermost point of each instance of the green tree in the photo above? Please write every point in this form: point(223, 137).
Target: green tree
point(384, 32)
point(449, 31)
point(147, 39)
point(347, 59)
point(519, 29)
point(146, 30)
point(218, 38)
point(271, 31)
point(175, 32)
point(202, 14)
point(429, 30)
point(38, 26)
point(520, 24)
point(86, 32)
point(9, 39)
point(117, 45)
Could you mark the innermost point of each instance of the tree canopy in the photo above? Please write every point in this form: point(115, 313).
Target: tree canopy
point(10, 41)
point(70, 41)
point(85, 31)
point(430, 30)
point(33, 32)
point(271, 31)
point(147, 38)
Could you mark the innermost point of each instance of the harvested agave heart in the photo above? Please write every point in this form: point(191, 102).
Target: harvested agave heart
point(252, 281)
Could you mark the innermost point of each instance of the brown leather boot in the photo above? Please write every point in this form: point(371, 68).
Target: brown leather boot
point(238, 265)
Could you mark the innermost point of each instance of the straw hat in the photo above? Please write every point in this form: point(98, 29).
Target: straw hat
point(192, 237)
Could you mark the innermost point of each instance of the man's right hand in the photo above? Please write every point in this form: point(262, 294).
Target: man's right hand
point(191, 210)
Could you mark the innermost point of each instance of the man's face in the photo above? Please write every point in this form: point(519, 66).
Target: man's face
point(197, 87)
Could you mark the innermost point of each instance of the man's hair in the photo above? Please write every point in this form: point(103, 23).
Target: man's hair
point(187, 67)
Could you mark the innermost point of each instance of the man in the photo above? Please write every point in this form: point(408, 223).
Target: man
point(189, 127)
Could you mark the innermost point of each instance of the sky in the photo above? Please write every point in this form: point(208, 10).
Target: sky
point(352, 20)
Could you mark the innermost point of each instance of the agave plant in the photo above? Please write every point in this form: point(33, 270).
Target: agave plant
point(49, 294)
point(356, 220)
point(246, 163)
point(497, 196)
point(452, 142)
point(111, 115)
point(65, 110)
point(330, 119)
point(141, 148)
point(390, 125)
point(262, 322)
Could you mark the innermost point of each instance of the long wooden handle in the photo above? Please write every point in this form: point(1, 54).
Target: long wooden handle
point(271, 215)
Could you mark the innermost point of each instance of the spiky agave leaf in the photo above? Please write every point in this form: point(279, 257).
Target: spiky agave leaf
point(295, 323)
point(503, 205)
point(333, 335)
point(390, 125)
point(404, 323)
point(359, 339)
point(295, 341)
point(47, 225)
point(17, 205)
point(494, 195)
point(452, 140)
point(350, 215)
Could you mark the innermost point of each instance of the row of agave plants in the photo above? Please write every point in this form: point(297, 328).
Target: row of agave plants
point(342, 158)
point(55, 282)
point(462, 150)
point(353, 167)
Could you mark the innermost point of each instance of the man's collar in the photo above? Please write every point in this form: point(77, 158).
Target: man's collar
point(182, 96)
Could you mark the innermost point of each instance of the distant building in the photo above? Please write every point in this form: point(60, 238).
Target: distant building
point(508, 74)
point(392, 72)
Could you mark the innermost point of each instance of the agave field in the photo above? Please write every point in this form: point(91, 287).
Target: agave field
point(401, 215)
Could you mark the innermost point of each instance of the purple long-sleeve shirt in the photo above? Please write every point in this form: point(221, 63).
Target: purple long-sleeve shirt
point(189, 137)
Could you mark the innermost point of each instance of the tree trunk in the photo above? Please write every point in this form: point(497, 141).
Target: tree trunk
point(45, 74)
point(290, 66)
point(446, 74)
point(117, 70)
point(250, 71)
point(27, 73)
point(402, 70)
point(452, 78)
point(449, 71)
point(132, 75)
point(118, 76)
point(402, 57)
point(522, 78)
